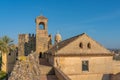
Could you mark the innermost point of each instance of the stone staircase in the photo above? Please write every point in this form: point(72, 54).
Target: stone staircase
point(47, 71)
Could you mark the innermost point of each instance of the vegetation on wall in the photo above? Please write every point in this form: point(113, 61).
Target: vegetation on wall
point(22, 58)
point(2, 75)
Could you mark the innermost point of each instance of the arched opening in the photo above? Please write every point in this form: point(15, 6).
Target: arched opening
point(42, 26)
point(40, 55)
point(81, 45)
point(89, 45)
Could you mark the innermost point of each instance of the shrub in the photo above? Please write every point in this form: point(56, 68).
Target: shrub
point(2, 75)
point(22, 58)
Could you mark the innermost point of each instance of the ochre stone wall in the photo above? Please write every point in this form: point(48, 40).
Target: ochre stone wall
point(99, 67)
point(73, 65)
point(4, 62)
point(22, 39)
point(74, 47)
point(90, 77)
point(11, 61)
point(8, 61)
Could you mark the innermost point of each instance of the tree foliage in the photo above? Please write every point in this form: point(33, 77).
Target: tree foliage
point(6, 44)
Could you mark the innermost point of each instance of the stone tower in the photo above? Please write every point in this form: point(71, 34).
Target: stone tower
point(43, 40)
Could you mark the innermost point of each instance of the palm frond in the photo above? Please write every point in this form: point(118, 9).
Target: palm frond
point(6, 44)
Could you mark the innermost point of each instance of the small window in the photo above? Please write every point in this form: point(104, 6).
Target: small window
point(89, 45)
point(85, 66)
point(81, 45)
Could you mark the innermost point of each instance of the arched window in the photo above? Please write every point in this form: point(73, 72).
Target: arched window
point(81, 45)
point(42, 26)
point(89, 45)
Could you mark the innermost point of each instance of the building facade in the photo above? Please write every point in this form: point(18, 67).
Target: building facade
point(82, 58)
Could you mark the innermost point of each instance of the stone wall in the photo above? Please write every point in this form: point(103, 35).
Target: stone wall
point(116, 67)
point(99, 67)
point(74, 47)
point(11, 60)
point(4, 62)
point(26, 44)
point(8, 61)
point(43, 40)
point(73, 65)
point(90, 77)
point(26, 68)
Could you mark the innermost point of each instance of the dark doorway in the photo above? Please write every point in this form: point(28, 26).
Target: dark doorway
point(40, 55)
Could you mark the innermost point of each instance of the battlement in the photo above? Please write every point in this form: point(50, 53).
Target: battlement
point(27, 43)
point(32, 35)
point(22, 35)
point(27, 35)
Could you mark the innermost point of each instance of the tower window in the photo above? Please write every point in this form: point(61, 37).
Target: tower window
point(81, 45)
point(89, 45)
point(42, 26)
point(85, 65)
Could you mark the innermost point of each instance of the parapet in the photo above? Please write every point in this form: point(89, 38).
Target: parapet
point(32, 35)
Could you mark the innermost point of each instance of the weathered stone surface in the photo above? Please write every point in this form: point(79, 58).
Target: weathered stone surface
point(28, 69)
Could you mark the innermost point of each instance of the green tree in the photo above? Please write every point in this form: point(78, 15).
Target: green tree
point(6, 46)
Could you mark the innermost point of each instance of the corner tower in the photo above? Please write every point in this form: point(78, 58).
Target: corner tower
point(43, 40)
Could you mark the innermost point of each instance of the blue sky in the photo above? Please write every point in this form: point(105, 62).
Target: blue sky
point(100, 19)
